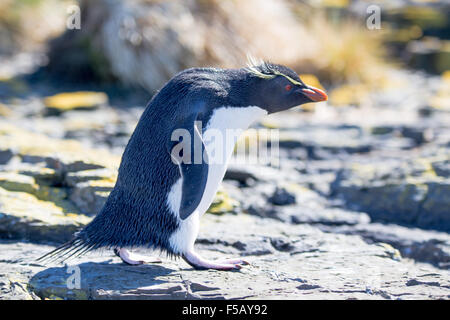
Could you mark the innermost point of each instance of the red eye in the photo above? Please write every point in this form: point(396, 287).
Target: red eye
point(288, 87)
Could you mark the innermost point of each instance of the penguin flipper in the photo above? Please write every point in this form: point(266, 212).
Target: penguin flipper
point(194, 173)
point(193, 186)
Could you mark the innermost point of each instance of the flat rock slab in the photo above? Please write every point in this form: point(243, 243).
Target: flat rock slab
point(407, 192)
point(421, 245)
point(67, 155)
point(24, 216)
point(286, 261)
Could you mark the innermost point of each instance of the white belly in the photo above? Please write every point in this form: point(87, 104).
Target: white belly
point(220, 136)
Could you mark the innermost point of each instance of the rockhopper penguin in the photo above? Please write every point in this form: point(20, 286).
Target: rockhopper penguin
point(159, 198)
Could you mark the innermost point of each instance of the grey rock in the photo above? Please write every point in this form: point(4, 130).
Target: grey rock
point(43, 176)
point(32, 158)
point(328, 216)
point(382, 130)
point(282, 244)
point(251, 246)
point(47, 221)
point(417, 134)
point(310, 207)
point(74, 166)
point(5, 156)
point(308, 286)
point(435, 210)
point(414, 282)
point(400, 193)
point(245, 173)
point(320, 266)
point(323, 143)
point(13, 227)
point(396, 203)
point(242, 176)
point(426, 111)
point(282, 197)
point(90, 198)
point(421, 245)
point(442, 168)
point(71, 179)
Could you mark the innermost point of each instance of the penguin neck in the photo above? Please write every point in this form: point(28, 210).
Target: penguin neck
point(230, 117)
point(241, 88)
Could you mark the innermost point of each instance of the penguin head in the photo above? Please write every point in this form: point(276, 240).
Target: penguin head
point(277, 88)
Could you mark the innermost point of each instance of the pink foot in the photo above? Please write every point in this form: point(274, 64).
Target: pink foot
point(202, 264)
point(134, 258)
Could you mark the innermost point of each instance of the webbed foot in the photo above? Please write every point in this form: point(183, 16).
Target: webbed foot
point(199, 263)
point(134, 258)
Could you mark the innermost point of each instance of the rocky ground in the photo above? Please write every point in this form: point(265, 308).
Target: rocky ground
point(359, 206)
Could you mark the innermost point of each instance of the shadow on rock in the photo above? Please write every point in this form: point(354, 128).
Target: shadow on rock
point(106, 280)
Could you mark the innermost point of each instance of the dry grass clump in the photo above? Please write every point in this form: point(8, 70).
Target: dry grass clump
point(145, 42)
point(348, 52)
point(25, 24)
point(304, 37)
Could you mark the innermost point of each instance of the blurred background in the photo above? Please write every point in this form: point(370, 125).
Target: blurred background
point(373, 161)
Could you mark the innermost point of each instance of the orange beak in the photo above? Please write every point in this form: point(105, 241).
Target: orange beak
point(315, 94)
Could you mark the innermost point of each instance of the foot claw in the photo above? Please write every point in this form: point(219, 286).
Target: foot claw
point(239, 262)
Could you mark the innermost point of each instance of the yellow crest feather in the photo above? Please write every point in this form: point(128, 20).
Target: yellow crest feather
point(253, 63)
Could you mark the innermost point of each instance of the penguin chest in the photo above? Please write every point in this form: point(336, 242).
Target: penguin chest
point(220, 136)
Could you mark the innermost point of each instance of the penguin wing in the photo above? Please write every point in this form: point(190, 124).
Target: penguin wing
point(194, 173)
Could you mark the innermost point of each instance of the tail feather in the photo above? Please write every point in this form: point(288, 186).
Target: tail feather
point(71, 249)
point(81, 251)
